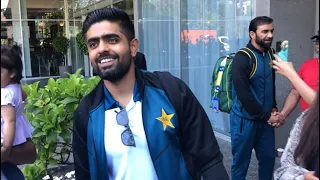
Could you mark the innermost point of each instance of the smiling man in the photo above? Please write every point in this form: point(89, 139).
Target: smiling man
point(133, 125)
point(254, 100)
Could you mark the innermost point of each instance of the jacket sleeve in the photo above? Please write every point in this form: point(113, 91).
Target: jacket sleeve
point(198, 139)
point(289, 169)
point(241, 80)
point(79, 146)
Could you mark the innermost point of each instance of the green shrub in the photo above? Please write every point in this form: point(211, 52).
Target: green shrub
point(81, 43)
point(50, 111)
point(61, 44)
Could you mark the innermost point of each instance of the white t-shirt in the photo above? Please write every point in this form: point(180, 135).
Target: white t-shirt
point(12, 95)
point(126, 162)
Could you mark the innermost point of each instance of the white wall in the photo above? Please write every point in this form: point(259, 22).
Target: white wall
point(262, 7)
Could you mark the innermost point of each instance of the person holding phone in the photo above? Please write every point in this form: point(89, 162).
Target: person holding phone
point(309, 73)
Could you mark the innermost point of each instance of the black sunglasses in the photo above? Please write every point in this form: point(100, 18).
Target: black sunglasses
point(126, 136)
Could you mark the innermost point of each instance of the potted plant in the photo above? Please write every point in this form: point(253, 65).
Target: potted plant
point(61, 44)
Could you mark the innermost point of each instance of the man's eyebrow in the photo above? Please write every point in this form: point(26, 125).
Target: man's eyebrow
point(105, 36)
point(111, 35)
point(268, 30)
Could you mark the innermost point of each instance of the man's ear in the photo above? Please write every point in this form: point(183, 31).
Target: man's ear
point(252, 35)
point(134, 47)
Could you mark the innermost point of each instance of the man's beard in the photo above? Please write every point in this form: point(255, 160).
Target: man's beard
point(115, 74)
point(263, 44)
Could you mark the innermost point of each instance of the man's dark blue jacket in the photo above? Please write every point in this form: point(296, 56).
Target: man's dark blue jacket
point(186, 151)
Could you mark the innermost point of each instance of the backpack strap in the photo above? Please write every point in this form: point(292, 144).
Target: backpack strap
point(253, 60)
point(271, 53)
point(220, 71)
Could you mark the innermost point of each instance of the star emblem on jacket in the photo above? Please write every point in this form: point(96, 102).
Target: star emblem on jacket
point(165, 119)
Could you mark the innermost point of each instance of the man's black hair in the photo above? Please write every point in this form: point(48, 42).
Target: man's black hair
point(113, 15)
point(258, 21)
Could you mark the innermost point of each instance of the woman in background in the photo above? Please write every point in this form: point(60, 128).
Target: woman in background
point(301, 154)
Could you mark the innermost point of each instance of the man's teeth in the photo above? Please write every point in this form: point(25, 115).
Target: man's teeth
point(106, 60)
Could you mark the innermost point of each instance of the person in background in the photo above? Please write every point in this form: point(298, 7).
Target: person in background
point(15, 128)
point(309, 73)
point(301, 155)
point(301, 87)
point(286, 69)
point(251, 116)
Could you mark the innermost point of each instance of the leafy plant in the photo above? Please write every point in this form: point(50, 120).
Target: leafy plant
point(81, 43)
point(61, 44)
point(50, 111)
point(55, 15)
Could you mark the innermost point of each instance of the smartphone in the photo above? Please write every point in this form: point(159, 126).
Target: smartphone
point(283, 49)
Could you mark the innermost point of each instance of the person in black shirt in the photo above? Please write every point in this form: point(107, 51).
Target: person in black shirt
point(254, 102)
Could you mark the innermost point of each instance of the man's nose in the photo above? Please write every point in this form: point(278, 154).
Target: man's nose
point(103, 47)
point(270, 35)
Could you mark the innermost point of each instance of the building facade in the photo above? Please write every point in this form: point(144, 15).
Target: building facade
point(184, 37)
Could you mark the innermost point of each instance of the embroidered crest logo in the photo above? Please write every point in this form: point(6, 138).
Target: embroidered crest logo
point(165, 119)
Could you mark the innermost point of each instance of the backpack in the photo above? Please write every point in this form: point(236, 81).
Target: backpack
point(221, 85)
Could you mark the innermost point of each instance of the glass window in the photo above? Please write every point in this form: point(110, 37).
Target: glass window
point(210, 29)
point(6, 10)
point(78, 58)
point(6, 14)
point(18, 32)
point(200, 31)
point(120, 5)
point(45, 61)
point(38, 9)
point(126, 5)
point(8, 37)
point(158, 28)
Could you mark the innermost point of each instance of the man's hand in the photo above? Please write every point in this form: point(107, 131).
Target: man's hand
point(281, 117)
point(310, 176)
point(276, 119)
